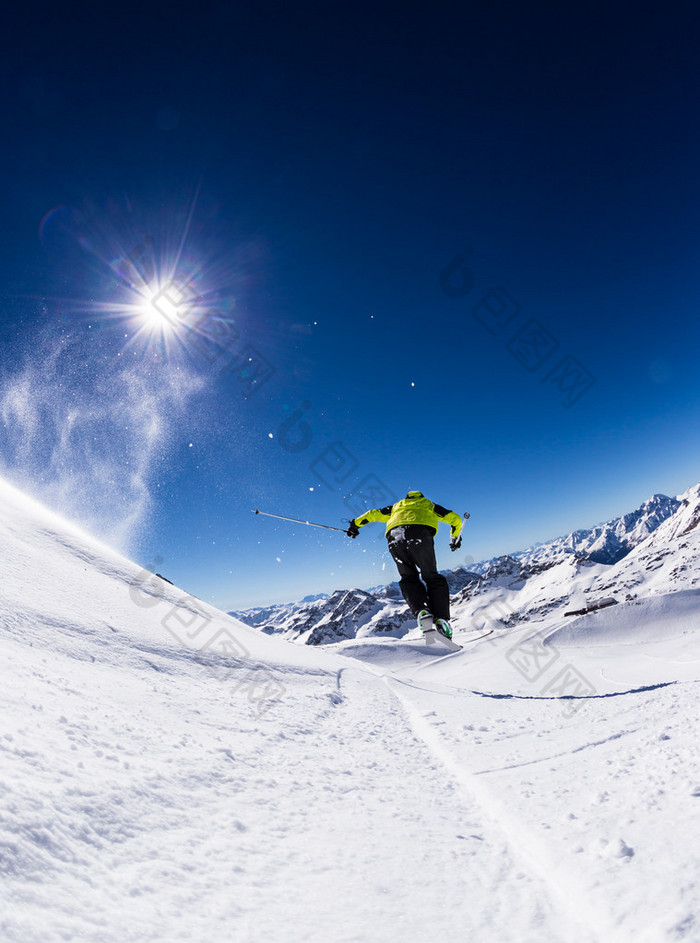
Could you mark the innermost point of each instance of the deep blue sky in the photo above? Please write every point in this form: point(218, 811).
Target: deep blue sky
point(333, 162)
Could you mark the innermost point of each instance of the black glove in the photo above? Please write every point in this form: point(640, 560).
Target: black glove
point(353, 530)
point(455, 543)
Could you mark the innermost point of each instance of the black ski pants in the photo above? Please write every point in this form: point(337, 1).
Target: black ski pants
point(413, 549)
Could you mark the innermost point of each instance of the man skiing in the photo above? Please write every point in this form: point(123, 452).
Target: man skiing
point(411, 525)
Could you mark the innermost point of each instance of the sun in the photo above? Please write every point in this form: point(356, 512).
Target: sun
point(155, 313)
point(167, 307)
point(170, 298)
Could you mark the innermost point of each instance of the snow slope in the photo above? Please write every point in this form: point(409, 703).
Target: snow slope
point(167, 773)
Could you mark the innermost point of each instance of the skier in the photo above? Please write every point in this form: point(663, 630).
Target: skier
point(411, 525)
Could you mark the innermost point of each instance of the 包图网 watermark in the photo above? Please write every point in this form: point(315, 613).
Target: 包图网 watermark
point(539, 663)
point(334, 466)
point(216, 647)
point(532, 344)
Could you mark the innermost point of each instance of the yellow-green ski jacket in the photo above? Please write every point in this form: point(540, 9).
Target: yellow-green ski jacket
point(413, 509)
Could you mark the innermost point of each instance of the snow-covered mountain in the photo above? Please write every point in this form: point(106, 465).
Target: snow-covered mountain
point(351, 613)
point(168, 773)
point(609, 542)
point(585, 564)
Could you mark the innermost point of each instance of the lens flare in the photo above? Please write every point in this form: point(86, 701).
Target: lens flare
point(160, 286)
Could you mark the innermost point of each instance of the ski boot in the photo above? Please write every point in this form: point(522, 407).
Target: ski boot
point(426, 622)
point(443, 627)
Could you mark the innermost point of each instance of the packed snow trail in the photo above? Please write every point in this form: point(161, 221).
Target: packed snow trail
point(599, 795)
point(565, 891)
point(144, 804)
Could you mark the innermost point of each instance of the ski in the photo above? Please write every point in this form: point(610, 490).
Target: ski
point(432, 636)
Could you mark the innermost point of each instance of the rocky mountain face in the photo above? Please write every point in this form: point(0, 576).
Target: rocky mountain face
point(346, 613)
point(654, 549)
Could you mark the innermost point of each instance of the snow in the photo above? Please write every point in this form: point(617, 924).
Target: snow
point(168, 773)
point(649, 620)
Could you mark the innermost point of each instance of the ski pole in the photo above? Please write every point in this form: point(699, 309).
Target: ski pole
point(296, 520)
point(466, 516)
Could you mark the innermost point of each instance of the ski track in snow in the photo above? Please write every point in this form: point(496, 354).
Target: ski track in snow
point(560, 889)
point(382, 795)
point(569, 826)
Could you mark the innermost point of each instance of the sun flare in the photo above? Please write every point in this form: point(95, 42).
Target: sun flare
point(157, 312)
